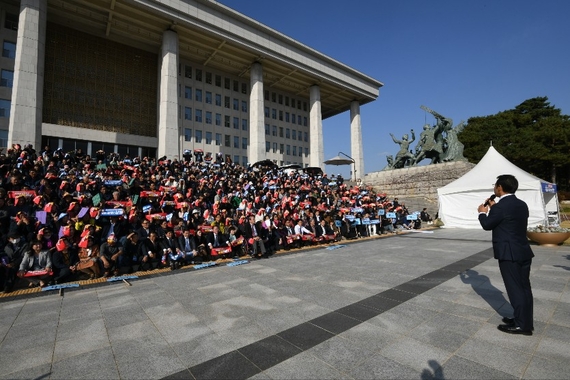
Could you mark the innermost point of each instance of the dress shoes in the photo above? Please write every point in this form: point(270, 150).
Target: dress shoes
point(512, 329)
point(508, 321)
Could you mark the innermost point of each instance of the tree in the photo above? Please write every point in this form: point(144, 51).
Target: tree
point(534, 135)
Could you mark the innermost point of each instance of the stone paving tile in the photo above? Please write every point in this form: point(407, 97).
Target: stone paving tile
point(414, 353)
point(42, 371)
point(381, 367)
point(98, 363)
point(542, 368)
point(304, 367)
point(458, 367)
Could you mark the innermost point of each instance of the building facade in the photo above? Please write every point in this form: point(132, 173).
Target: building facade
point(164, 78)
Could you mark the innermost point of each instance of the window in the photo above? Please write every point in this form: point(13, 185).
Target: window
point(199, 116)
point(236, 105)
point(208, 137)
point(267, 129)
point(266, 95)
point(11, 21)
point(244, 88)
point(187, 134)
point(236, 122)
point(188, 92)
point(218, 100)
point(208, 77)
point(208, 97)
point(288, 150)
point(287, 101)
point(218, 80)
point(236, 86)
point(280, 99)
point(266, 111)
point(305, 106)
point(208, 117)
point(273, 97)
point(187, 113)
point(7, 78)
point(294, 150)
point(243, 160)
point(274, 130)
point(227, 83)
point(274, 147)
point(293, 118)
point(243, 106)
point(287, 133)
point(227, 141)
point(218, 119)
point(188, 71)
point(298, 101)
point(9, 50)
point(226, 121)
point(294, 134)
point(305, 121)
point(273, 113)
point(306, 136)
point(281, 115)
point(199, 75)
point(287, 118)
point(227, 101)
point(280, 131)
point(267, 146)
point(3, 137)
point(218, 139)
point(300, 151)
point(299, 119)
point(244, 142)
point(306, 152)
point(281, 148)
point(198, 136)
point(198, 95)
point(244, 124)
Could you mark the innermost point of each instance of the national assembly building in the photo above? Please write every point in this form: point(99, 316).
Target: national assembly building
point(167, 78)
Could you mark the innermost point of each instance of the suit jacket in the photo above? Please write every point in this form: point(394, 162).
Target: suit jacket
point(43, 261)
point(508, 220)
point(222, 239)
point(182, 243)
point(170, 243)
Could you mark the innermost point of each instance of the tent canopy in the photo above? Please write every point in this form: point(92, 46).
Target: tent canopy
point(458, 201)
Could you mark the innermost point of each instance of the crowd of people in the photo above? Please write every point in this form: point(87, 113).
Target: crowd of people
point(66, 215)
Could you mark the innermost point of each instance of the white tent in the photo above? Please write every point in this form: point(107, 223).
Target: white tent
point(458, 201)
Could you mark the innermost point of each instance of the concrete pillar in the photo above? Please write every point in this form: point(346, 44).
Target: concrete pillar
point(168, 121)
point(25, 125)
point(317, 148)
point(356, 141)
point(256, 115)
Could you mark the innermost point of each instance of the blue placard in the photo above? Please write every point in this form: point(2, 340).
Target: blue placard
point(121, 278)
point(349, 217)
point(61, 286)
point(113, 182)
point(356, 222)
point(391, 215)
point(548, 187)
point(374, 221)
point(357, 210)
point(146, 208)
point(338, 223)
point(112, 212)
point(381, 212)
point(366, 221)
point(412, 217)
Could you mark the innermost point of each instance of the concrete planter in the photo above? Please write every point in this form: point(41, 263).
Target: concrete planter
point(548, 238)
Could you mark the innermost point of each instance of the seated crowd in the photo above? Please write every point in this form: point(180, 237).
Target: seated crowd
point(69, 216)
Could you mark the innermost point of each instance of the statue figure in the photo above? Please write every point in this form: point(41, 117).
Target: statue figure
point(429, 146)
point(404, 156)
point(454, 151)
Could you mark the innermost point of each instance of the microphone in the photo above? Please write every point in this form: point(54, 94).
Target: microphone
point(492, 197)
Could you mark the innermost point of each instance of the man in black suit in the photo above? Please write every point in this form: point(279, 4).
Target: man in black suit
point(507, 218)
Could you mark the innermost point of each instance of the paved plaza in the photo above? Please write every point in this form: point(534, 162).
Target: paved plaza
point(420, 305)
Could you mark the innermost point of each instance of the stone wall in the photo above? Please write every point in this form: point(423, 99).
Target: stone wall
point(417, 186)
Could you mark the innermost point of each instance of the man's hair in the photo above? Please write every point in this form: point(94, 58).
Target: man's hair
point(508, 182)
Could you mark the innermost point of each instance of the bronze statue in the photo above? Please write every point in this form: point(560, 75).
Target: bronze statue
point(404, 157)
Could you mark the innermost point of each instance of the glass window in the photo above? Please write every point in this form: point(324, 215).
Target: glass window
point(236, 86)
point(226, 121)
point(300, 151)
point(244, 160)
point(288, 150)
point(287, 101)
point(273, 97)
point(188, 71)
point(266, 110)
point(218, 119)
point(280, 131)
point(236, 122)
point(7, 79)
point(305, 106)
point(227, 83)
point(11, 21)
point(294, 150)
point(227, 101)
point(293, 118)
point(236, 104)
point(218, 100)
point(294, 134)
point(9, 50)
point(236, 142)
point(208, 77)
point(281, 115)
point(187, 134)
point(244, 106)
point(306, 136)
point(287, 118)
point(281, 149)
point(266, 95)
point(298, 103)
point(280, 99)
point(267, 146)
point(208, 137)
point(306, 152)
point(244, 142)
point(273, 113)
point(198, 136)
point(187, 113)
point(244, 88)
point(274, 147)
point(199, 75)
point(4, 138)
point(299, 119)
point(208, 117)
point(287, 133)
point(267, 129)
point(208, 97)
point(218, 80)
point(188, 92)
point(274, 130)
point(218, 139)
point(244, 124)
point(227, 141)
point(305, 121)
point(198, 95)
point(199, 116)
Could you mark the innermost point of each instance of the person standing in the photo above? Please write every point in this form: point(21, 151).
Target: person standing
point(507, 217)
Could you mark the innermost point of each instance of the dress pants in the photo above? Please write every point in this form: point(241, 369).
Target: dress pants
point(516, 278)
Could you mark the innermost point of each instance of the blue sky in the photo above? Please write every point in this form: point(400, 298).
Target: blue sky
point(461, 58)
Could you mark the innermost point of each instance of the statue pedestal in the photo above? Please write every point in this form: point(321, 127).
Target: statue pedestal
point(417, 186)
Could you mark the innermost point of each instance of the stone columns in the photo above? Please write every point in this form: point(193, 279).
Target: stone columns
point(168, 121)
point(356, 141)
point(317, 156)
point(256, 115)
point(25, 125)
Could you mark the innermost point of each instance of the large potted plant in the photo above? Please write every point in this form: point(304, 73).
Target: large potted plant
point(548, 235)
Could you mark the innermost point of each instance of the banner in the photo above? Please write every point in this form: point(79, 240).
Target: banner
point(549, 187)
point(113, 182)
point(112, 212)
